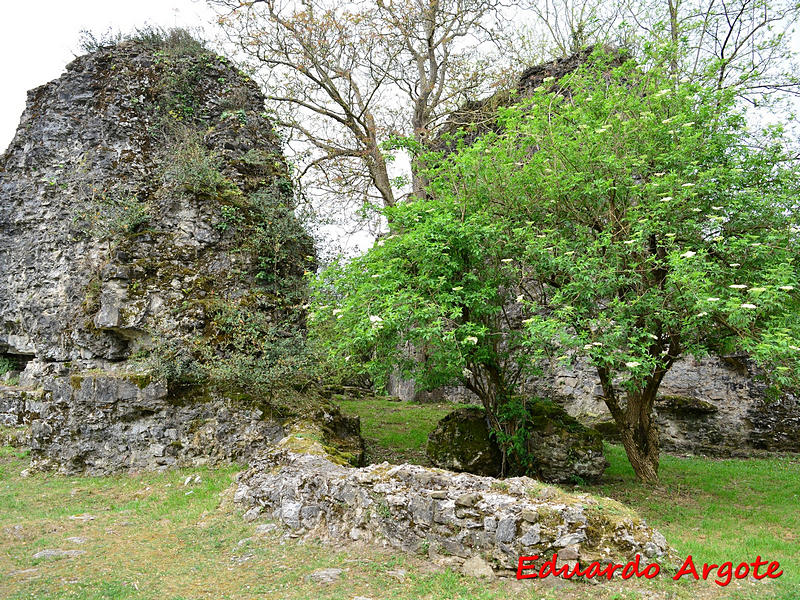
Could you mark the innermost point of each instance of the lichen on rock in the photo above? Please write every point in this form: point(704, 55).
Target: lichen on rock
point(130, 206)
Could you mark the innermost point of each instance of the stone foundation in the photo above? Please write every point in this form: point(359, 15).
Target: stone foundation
point(424, 510)
point(99, 424)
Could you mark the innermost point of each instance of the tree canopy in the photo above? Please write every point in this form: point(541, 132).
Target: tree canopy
point(618, 215)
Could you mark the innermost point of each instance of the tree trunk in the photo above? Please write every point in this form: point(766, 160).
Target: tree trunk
point(674, 34)
point(418, 181)
point(488, 384)
point(640, 435)
point(636, 425)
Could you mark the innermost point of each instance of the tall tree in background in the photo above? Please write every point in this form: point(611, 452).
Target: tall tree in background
point(744, 45)
point(347, 79)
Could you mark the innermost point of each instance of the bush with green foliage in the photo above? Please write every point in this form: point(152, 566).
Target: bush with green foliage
point(113, 212)
point(6, 365)
point(194, 169)
point(618, 215)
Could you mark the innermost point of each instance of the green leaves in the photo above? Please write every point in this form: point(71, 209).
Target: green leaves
point(437, 285)
point(617, 215)
point(647, 201)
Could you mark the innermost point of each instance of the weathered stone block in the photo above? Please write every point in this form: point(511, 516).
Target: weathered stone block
point(558, 447)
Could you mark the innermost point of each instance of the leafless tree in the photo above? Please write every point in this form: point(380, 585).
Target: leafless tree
point(744, 45)
point(347, 79)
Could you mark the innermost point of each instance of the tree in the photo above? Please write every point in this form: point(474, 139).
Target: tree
point(566, 27)
point(744, 44)
point(444, 285)
point(347, 79)
point(629, 220)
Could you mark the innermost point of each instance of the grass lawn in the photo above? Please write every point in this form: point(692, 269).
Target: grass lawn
point(149, 536)
point(396, 432)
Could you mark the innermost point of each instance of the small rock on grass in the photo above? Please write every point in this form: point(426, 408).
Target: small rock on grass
point(58, 553)
point(477, 567)
point(265, 528)
point(84, 517)
point(192, 479)
point(77, 539)
point(398, 574)
point(243, 558)
point(252, 514)
point(324, 575)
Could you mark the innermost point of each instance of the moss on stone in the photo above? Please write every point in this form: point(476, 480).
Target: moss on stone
point(547, 443)
point(303, 440)
point(76, 381)
point(140, 380)
point(607, 429)
point(462, 442)
point(685, 404)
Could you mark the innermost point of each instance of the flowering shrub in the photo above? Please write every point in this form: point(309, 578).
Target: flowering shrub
point(617, 215)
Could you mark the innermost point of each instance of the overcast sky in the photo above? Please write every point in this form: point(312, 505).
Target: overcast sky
point(38, 38)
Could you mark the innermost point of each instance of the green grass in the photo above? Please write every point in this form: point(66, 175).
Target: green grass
point(719, 510)
point(149, 539)
point(715, 510)
point(395, 431)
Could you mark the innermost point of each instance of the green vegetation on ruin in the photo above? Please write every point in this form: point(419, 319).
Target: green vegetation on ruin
point(247, 287)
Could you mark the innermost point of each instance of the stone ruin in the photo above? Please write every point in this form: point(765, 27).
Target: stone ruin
point(438, 513)
point(122, 220)
point(712, 406)
point(127, 202)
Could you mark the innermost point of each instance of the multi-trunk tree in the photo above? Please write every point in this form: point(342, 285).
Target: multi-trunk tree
point(346, 79)
point(627, 219)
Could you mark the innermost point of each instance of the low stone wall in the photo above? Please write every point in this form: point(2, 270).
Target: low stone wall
point(433, 511)
point(99, 424)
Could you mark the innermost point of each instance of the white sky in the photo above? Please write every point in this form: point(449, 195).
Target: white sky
point(39, 37)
